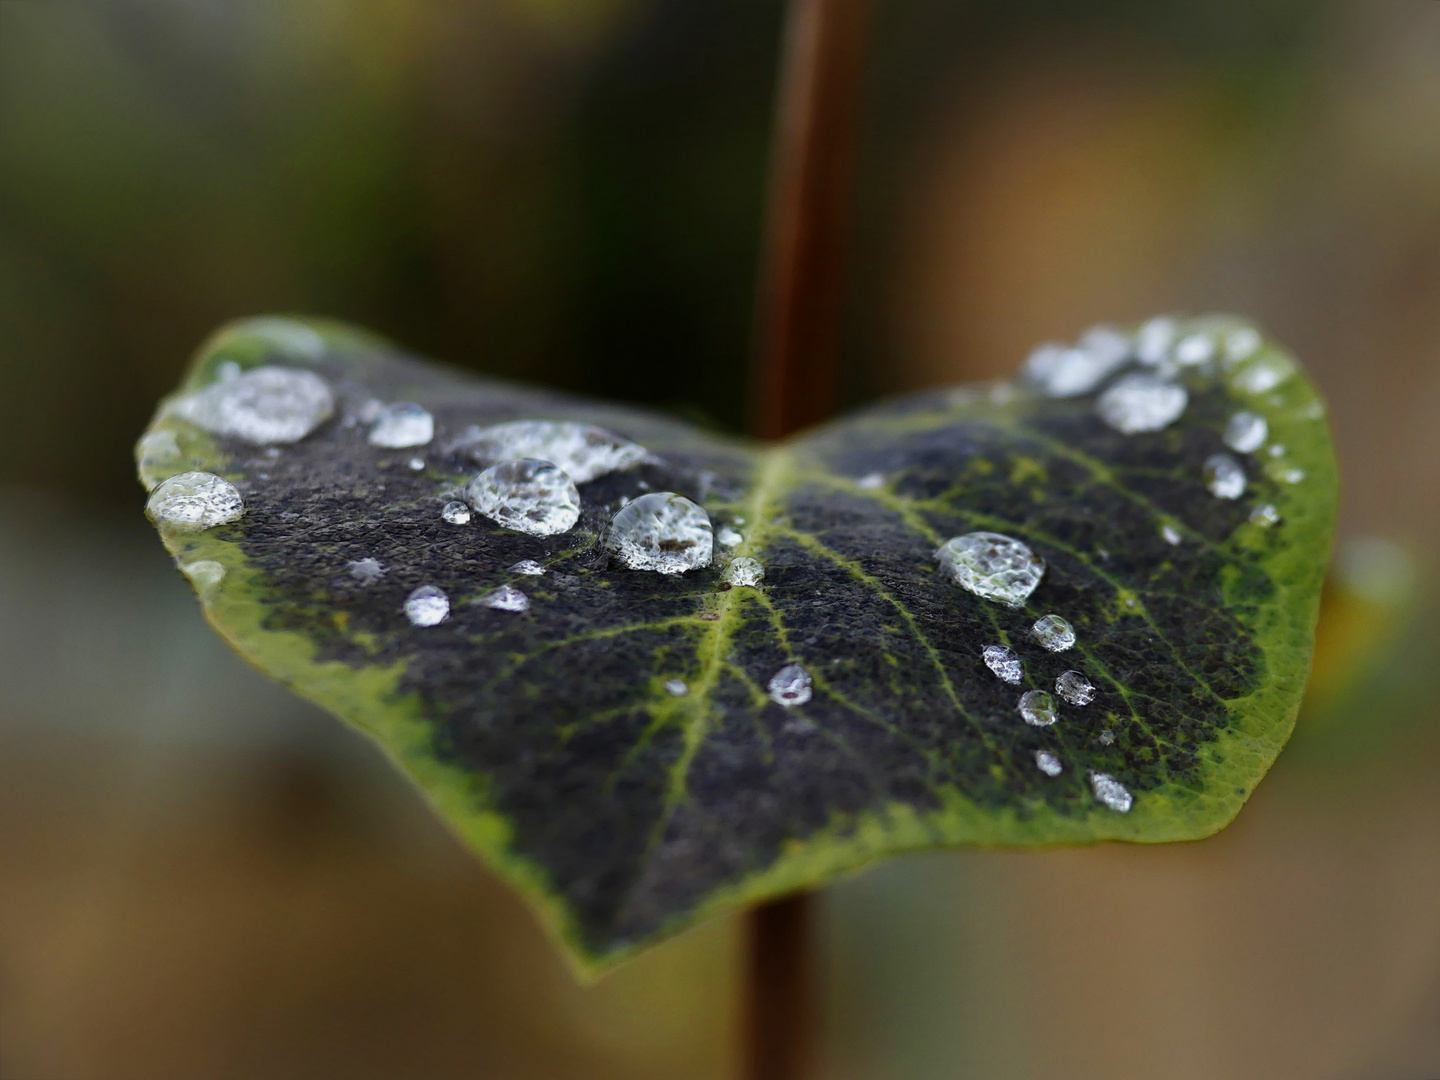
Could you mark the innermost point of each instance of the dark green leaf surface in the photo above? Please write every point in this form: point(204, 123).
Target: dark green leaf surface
point(546, 738)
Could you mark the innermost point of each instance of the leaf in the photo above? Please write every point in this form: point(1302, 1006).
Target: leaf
point(548, 739)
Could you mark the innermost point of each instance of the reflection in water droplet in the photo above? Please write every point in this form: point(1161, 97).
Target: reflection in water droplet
point(205, 573)
point(1154, 339)
point(728, 537)
point(676, 687)
point(743, 571)
point(1246, 432)
point(1037, 708)
point(1265, 515)
point(366, 571)
point(194, 501)
point(871, 481)
point(427, 606)
point(526, 495)
point(1139, 403)
point(1263, 374)
point(1194, 349)
point(582, 451)
point(1004, 663)
point(1242, 344)
point(1170, 533)
point(992, 565)
point(790, 686)
point(456, 513)
point(1075, 688)
point(264, 405)
point(402, 424)
point(506, 598)
point(663, 532)
point(1055, 633)
point(1224, 477)
point(1111, 792)
point(1048, 763)
point(528, 567)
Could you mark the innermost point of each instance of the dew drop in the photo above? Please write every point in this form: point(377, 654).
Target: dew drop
point(1170, 533)
point(728, 537)
point(992, 566)
point(1139, 403)
point(1075, 688)
point(1286, 474)
point(195, 501)
point(1154, 339)
point(456, 513)
point(791, 685)
point(1224, 476)
point(1110, 792)
point(1242, 344)
point(526, 495)
point(1276, 450)
point(676, 687)
point(582, 451)
point(205, 573)
point(416, 464)
point(506, 598)
point(401, 425)
point(427, 606)
point(264, 405)
point(159, 447)
point(1265, 515)
point(1004, 663)
point(1065, 373)
point(1048, 763)
point(1054, 632)
point(1037, 708)
point(1263, 374)
point(365, 571)
point(662, 531)
point(743, 571)
point(227, 370)
point(1194, 349)
point(1107, 738)
point(528, 567)
point(871, 481)
point(1246, 432)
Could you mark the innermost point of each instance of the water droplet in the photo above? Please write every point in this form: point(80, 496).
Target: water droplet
point(1263, 374)
point(582, 451)
point(366, 571)
point(1170, 533)
point(1314, 411)
point(871, 481)
point(1004, 663)
point(1276, 450)
point(1194, 349)
point(728, 537)
point(456, 513)
point(744, 571)
point(526, 495)
point(992, 565)
point(1139, 403)
point(1109, 345)
point(1246, 432)
point(416, 464)
point(427, 606)
point(663, 532)
point(1064, 373)
point(227, 370)
point(1107, 738)
point(264, 405)
point(205, 573)
point(528, 567)
point(1075, 688)
point(791, 685)
point(1037, 708)
point(1242, 344)
point(158, 447)
point(1265, 515)
point(1224, 476)
point(1111, 792)
point(676, 687)
point(1286, 474)
point(194, 501)
point(1154, 339)
point(1055, 633)
point(1048, 763)
point(506, 598)
point(288, 336)
point(401, 425)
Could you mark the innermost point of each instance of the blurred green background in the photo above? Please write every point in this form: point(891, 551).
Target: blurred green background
point(202, 877)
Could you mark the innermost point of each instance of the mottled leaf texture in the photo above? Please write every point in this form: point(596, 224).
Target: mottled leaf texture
point(557, 741)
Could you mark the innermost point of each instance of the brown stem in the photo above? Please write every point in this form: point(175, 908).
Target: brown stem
point(781, 1010)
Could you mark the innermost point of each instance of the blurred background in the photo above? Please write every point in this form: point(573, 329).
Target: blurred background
point(202, 877)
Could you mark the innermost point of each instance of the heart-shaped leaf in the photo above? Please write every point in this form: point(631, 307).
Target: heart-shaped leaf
point(634, 749)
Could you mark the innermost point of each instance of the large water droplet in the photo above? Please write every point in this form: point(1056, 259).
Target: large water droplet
point(1246, 432)
point(1037, 708)
point(791, 685)
point(676, 687)
point(1139, 403)
point(366, 571)
point(456, 513)
point(1004, 663)
point(663, 532)
point(1048, 763)
point(528, 567)
point(582, 451)
point(1055, 633)
point(264, 405)
point(1110, 792)
point(992, 565)
point(205, 573)
point(1224, 476)
point(527, 495)
point(506, 598)
point(194, 501)
point(1075, 688)
point(743, 571)
point(728, 537)
point(427, 606)
point(402, 424)
point(1154, 340)
point(1265, 515)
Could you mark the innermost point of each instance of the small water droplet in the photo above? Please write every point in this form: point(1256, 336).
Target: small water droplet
point(676, 687)
point(1224, 476)
point(1110, 792)
point(662, 531)
point(1194, 349)
point(1139, 403)
point(728, 537)
point(1277, 450)
point(582, 451)
point(506, 598)
point(195, 501)
point(790, 686)
point(1265, 515)
point(1054, 632)
point(528, 567)
point(1288, 474)
point(1004, 663)
point(1037, 708)
point(263, 405)
point(1048, 763)
point(158, 447)
point(1246, 432)
point(205, 573)
point(871, 481)
point(992, 566)
point(456, 513)
point(526, 495)
point(1075, 688)
point(1314, 411)
point(743, 571)
point(1170, 533)
point(710, 616)
point(1263, 374)
point(1242, 344)
point(1154, 339)
point(366, 571)
point(401, 425)
point(427, 606)
point(1107, 738)
point(416, 464)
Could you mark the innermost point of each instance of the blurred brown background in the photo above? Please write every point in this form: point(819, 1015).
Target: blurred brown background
point(202, 877)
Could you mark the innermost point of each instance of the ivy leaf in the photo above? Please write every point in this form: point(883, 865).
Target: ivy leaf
point(635, 750)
